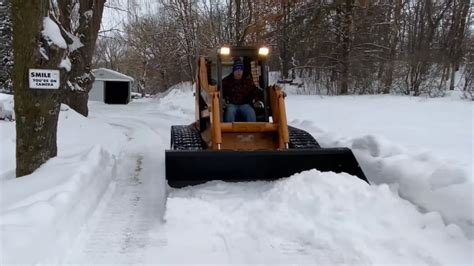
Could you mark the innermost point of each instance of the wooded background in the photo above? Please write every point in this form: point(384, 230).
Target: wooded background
point(336, 47)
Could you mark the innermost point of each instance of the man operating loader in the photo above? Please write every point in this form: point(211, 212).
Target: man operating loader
point(241, 149)
point(240, 94)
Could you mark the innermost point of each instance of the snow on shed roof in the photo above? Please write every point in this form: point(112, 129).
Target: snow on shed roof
point(109, 74)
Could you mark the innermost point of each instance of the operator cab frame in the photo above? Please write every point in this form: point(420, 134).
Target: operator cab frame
point(255, 65)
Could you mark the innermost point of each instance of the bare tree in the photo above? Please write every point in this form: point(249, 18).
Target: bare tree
point(184, 13)
point(284, 27)
point(457, 33)
point(110, 51)
point(44, 37)
point(344, 18)
point(396, 6)
point(81, 52)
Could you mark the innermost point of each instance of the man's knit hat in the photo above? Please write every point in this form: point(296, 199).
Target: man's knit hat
point(238, 64)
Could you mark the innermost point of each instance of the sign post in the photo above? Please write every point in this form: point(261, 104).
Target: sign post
point(45, 79)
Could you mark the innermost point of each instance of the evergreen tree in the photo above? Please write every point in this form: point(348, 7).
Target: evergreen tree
point(6, 55)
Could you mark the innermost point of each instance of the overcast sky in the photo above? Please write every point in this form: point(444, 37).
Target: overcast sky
point(116, 11)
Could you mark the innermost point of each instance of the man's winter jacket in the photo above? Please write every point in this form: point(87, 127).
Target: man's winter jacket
point(240, 91)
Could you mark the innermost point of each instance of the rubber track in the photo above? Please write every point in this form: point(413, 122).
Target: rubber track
point(300, 139)
point(185, 138)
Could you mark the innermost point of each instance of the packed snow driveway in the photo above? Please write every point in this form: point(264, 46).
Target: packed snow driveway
point(309, 218)
point(134, 203)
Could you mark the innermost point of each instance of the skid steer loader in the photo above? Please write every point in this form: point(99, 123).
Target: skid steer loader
point(210, 149)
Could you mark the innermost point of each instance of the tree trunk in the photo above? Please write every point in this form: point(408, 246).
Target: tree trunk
point(453, 75)
point(444, 77)
point(238, 12)
point(36, 110)
point(346, 43)
point(459, 31)
point(283, 47)
point(394, 31)
point(81, 58)
point(77, 100)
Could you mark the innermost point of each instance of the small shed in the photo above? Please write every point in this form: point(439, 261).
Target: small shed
point(111, 87)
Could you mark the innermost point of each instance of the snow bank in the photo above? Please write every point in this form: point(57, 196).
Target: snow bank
point(7, 137)
point(428, 181)
point(178, 100)
point(311, 217)
point(7, 154)
point(50, 205)
point(40, 214)
point(6, 107)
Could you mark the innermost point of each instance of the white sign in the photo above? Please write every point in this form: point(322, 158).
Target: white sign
point(44, 79)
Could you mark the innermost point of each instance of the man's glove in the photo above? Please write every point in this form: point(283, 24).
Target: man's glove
point(258, 104)
point(225, 103)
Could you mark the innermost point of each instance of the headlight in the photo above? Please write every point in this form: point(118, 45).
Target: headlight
point(263, 51)
point(224, 51)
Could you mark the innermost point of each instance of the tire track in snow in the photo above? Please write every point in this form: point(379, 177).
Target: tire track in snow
point(120, 232)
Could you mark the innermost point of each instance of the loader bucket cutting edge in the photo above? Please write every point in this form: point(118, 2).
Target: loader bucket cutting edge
point(186, 167)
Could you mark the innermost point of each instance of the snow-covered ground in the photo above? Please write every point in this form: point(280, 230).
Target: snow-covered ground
point(104, 199)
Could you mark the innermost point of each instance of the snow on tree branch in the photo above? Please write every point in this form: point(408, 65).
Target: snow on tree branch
point(66, 64)
point(52, 33)
point(88, 14)
point(76, 42)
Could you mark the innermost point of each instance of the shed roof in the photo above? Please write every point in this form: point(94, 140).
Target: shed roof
point(110, 75)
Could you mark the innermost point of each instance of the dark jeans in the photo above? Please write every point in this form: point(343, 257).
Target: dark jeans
point(245, 111)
